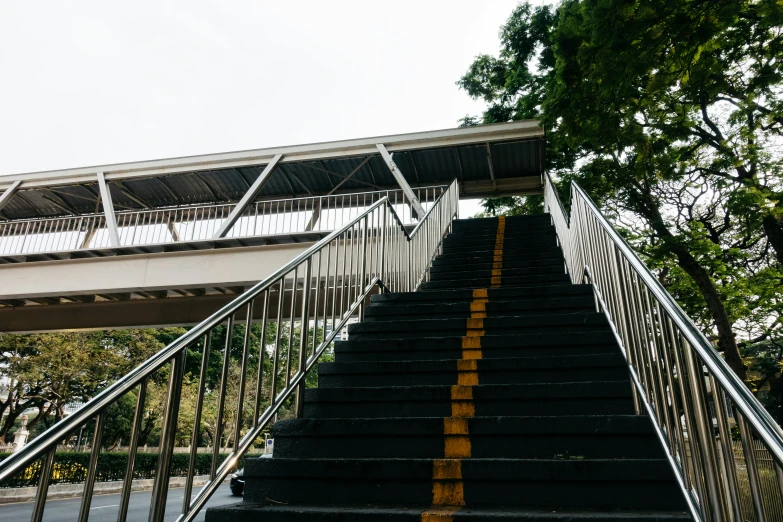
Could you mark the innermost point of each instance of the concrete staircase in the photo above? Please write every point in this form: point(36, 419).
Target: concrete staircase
point(495, 393)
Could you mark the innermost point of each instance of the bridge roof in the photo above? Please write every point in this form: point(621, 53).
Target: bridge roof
point(505, 158)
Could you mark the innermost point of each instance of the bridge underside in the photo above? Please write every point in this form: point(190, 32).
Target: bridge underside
point(170, 241)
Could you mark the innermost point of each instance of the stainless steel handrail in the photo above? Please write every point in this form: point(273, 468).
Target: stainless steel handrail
point(674, 369)
point(374, 250)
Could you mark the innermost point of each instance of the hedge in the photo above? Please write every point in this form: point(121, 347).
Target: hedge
point(71, 467)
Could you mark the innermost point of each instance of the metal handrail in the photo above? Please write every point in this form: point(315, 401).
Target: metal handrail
point(673, 368)
point(374, 250)
point(200, 222)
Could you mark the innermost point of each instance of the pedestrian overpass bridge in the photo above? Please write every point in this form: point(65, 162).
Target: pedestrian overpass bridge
point(170, 241)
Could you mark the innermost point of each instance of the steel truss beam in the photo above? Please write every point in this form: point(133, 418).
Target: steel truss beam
point(248, 198)
point(401, 181)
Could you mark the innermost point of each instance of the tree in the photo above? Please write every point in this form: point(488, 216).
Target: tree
point(49, 371)
point(669, 114)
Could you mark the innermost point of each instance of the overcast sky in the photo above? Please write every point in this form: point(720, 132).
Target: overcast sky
point(95, 82)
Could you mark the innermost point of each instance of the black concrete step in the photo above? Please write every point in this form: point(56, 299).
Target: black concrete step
point(472, 272)
point(492, 346)
point(490, 239)
point(503, 293)
point(488, 264)
point(507, 324)
point(596, 483)
point(511, 245)
point(548, 437)
point(482, 282)
point(517, 250)
point(486, 260)
point(576, 368)
point(394, 311)
point(580, 398)
point(517, 221)
point(251, 512)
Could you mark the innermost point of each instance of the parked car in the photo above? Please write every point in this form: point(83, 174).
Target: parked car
point(238, 479)
point(238, 483)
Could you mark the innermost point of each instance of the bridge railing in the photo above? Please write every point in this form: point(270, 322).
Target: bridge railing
point(264, 343)
point(698, 405)
point(201, 222)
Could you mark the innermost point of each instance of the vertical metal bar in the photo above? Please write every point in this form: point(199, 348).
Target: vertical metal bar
point(704, 427)
point(685, 402)
point(750, 463)
point(291, 316)
point(342, 281)
point(243, 370)
point(346, 301)
point(662, 399)
point(276, 362)
point(222, 395)
point(261, 354)
point(727, 453)
point(89, 481)
point(138, 414)
point(363, 269)
point(43, 486)
point(160, 487)
point(326, 286)
point(382, 245)
point(315, 302)
point(205, 352)
point(300, 390)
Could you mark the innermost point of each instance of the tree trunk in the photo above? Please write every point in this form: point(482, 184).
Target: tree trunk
point(773, 228)
point(727, 343)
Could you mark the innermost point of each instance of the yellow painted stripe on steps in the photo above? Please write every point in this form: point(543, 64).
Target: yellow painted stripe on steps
point(469, 342)
point(447, 484)
point(478, 309)
point(497, 262)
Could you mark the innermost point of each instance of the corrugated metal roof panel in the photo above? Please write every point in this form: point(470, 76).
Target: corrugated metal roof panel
point(421, 166)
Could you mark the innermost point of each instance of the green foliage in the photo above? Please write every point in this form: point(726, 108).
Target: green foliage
point(512, 206)
point(670, 115)
point(71, 467)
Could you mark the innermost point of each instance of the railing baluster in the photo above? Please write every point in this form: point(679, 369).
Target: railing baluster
point(222, 395)
point(315, 302)
point(292, 316)
point(92, 469)
point(729, 474)
point(278, 327)
point(43, 485)
point(243, 371)
point(194, 435)
point(160, 486)
point(127, 483)
point(300, 390)
point(261, 354)
point(752, 467)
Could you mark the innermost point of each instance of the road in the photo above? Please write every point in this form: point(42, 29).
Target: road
point(104, 507)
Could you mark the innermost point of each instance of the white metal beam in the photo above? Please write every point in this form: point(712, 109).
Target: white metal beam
point(108, 211)
point(406, 189)
point(6, 196)
point(248, 198)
